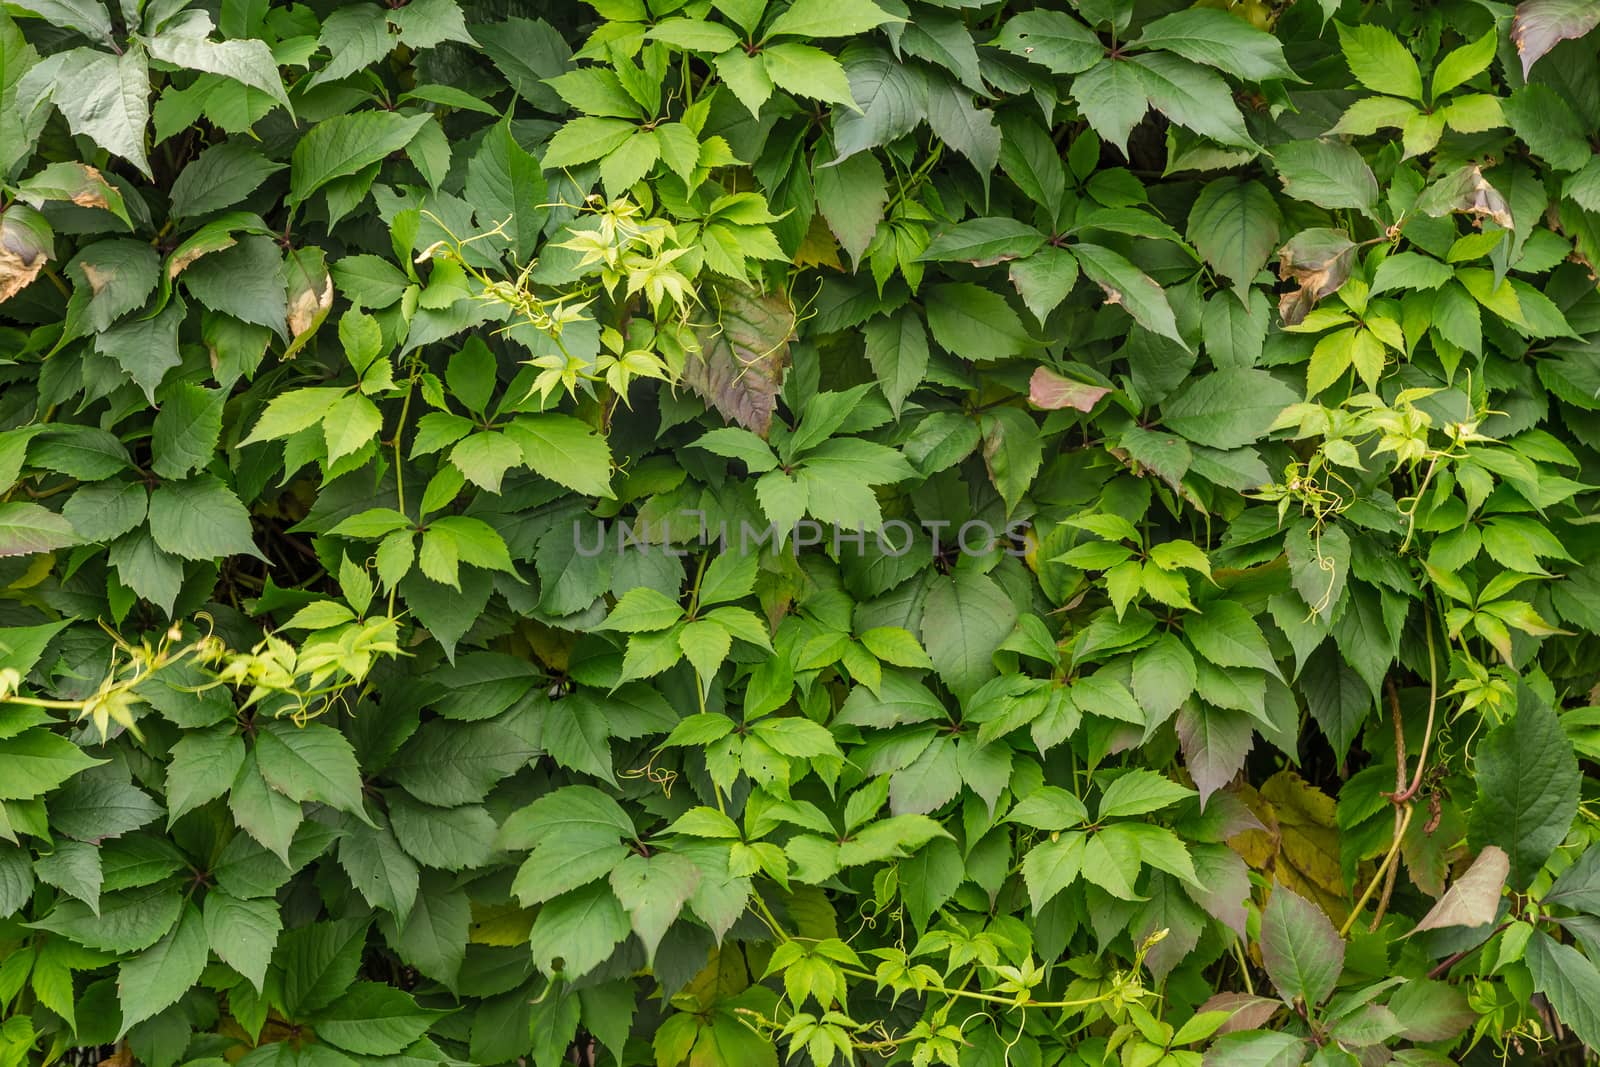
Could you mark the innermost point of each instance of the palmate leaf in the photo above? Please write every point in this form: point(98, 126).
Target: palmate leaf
point(608, 752)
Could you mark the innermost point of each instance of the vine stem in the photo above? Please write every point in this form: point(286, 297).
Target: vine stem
point(399, 467)
point(992, 998)
point(1382, 872)
point(1404, 792)
point(1407, 792)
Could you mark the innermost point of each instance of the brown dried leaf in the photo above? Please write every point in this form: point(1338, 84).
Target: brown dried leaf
point(1474, 899)
point(25, 247)
point(310, 294)
point(1051, 391)
point(178, 262)
point(1319, 262)
point(739, 366)
point(1466, 191)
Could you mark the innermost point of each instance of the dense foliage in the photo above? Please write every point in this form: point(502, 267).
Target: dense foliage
point(720, 532)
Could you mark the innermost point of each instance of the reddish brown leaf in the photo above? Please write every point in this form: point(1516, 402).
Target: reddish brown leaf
point(1051, 391)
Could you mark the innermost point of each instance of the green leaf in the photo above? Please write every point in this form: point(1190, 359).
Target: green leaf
point(653, 890)
point(1571, 982)
point(1410, 270)
point(828, 18)
point(434, 938)
point(200, 518)
point(1337, 697)
point(984, 242)
point(1379, 61)
point(354, 36)
point(696, 35)
point(1329, 174)
point(1218, 39)
point(127, 922)
point(448, 763)
point(1139, 791)
point(1302, 952)
point(159, 976)
point(852, 197)
point(807, 71)
point(1234, 223)
point(897, 348)
point(75, 869)
point(38, 761)
point(1049, 808)
point(88, 17)
point(242, 933)
point(1052, 866)
point(1256, 1048)
point(263, 812)
point(1163, 676)
point(451, 839)
point(429, 23)
point(975, 323)
point(565, 450)
point(247, 61)
point(1227, 408)
point(146, 348)
point(18, 128)
point(1192, 96)
point(100, 804)
point(311, 762)
point(28, 528)
point(1053, 39)
point(1528, 783)
point(203, 764)
point(108, 100)
point(379, 868)
point(319, 962)
point(1111, 95)
point(966, 619)
point(1129, 287)
point(1225, 634)
point(891, 97)
point(576, 932)
point(344, 144)
point(374, 1019)
point(578, 739)
point(1464, 63)
point(186, 429)
point(506, 185)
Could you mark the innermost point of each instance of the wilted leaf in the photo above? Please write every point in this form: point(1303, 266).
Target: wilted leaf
point(1319, 262)
point(741, 359)
point(1540, 25)
point(25, 247)
point(1052, 391)
point(1474, 898)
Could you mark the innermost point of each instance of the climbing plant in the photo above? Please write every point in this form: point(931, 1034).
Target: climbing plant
point(728, 532)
